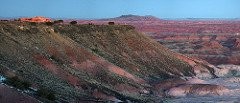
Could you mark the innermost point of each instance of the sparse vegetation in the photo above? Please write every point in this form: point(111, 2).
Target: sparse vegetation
point(111, 23)
point(46, 93)
point(109, 58)
point(49, 23)
point(16, 82)
point(4, 20)
point(33, 23)
point(58, 21)
point(73, 22)
point(56, 59)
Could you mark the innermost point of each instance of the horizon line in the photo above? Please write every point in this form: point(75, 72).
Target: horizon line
point(79, 18)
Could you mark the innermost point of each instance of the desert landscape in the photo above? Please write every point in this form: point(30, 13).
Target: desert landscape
point(97, 52)
point(216, 41)
point(119, 60)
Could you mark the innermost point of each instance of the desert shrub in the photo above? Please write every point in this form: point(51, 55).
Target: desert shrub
point(95, 50)
point(58, 21)
point(102, 75)
point(55, 59)
point(56, 30)
point(16, 82)
point(46, 93)
point(111, 23)
point(34, 30)
point(49, 23)
point(4, 20)
point(129, 27)
point(15, 19)
point(33, 23)
point(98, 52)
point(90, 24)
point(73, 22)
point(234, 72)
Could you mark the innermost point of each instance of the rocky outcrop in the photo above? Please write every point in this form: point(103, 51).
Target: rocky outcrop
point(35, 19)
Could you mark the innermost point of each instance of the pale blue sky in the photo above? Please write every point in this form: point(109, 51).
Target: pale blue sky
point(114, 8)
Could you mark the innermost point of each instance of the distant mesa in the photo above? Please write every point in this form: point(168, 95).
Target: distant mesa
point(131, 17)
point(35, 19)
point(137, 17)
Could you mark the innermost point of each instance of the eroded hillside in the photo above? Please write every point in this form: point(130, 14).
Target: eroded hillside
point(213, 40)
point(91, 63)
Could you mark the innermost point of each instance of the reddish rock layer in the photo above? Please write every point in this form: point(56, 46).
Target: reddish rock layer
point(36, 19)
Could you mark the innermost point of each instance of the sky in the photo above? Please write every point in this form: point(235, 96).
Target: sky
point(94, 9)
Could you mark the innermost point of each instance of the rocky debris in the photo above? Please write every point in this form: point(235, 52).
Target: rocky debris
point(197, 89)
point(37, 19)
point(228, 70)
point(188, 87)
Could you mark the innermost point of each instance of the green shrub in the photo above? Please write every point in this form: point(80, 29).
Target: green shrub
point(46, 93)
point(16, 82)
